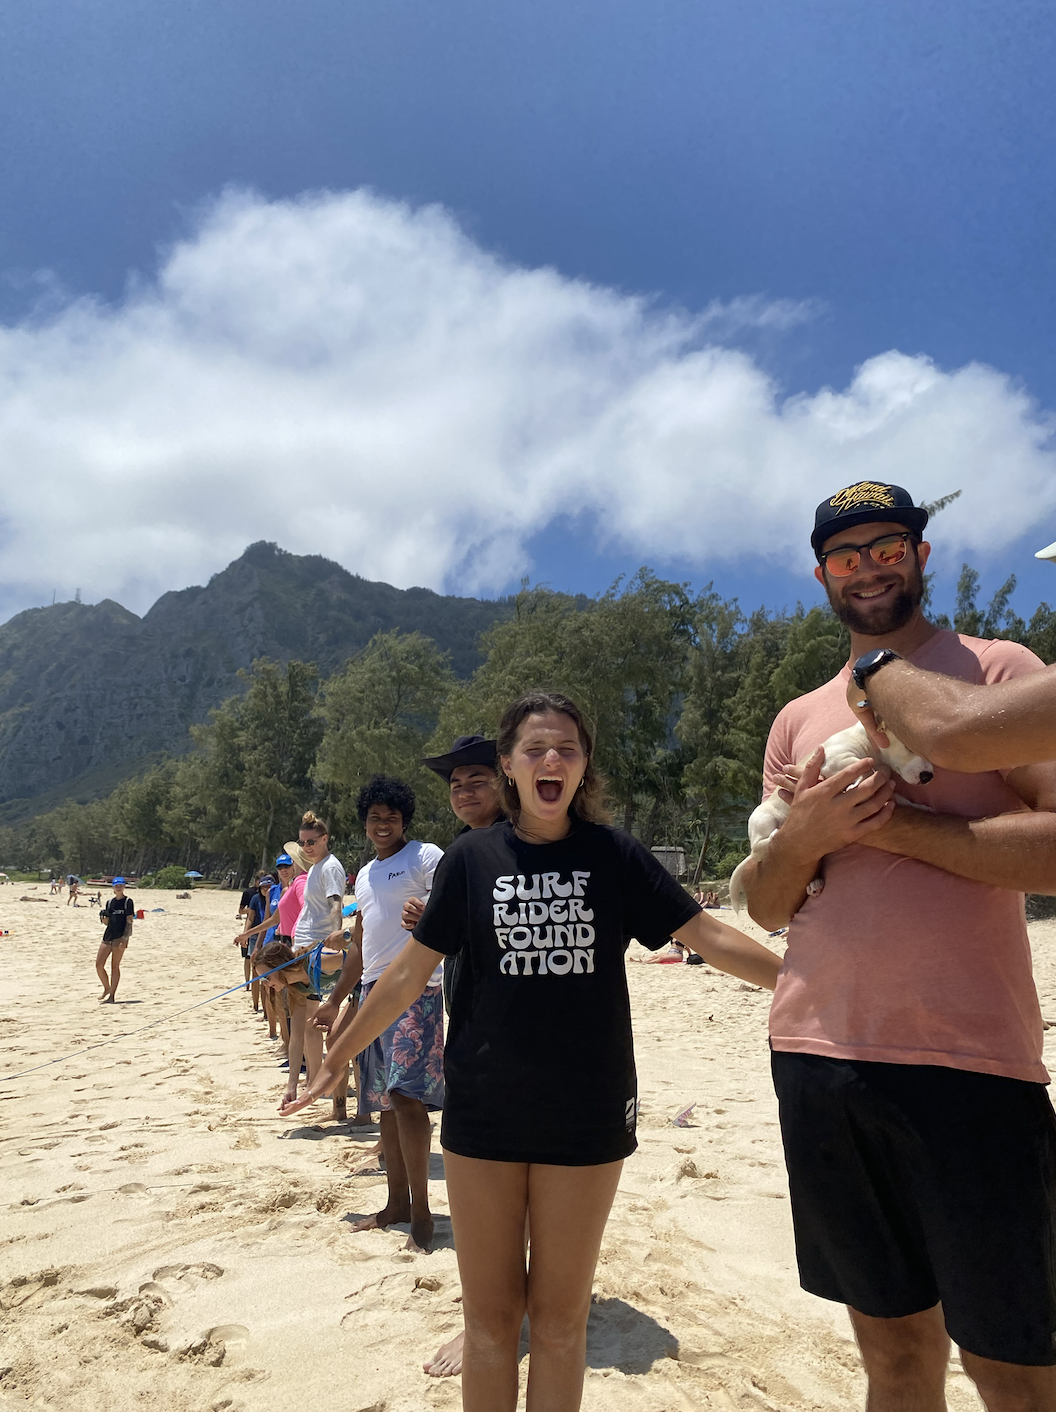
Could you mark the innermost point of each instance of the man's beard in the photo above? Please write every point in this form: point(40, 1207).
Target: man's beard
point(898, 613)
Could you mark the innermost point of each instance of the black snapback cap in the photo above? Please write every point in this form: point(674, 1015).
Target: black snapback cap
point(865, 501)
point(467, 750)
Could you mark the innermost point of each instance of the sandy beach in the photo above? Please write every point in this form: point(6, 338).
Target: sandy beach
point(170, 1243)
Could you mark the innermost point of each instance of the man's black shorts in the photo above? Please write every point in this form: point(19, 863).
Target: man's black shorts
point(913, 1185)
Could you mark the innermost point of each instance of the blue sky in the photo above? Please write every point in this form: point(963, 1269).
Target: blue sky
point(886, 169)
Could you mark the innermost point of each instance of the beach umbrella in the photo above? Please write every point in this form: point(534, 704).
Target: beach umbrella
point(1049, 553)
point(193, 874)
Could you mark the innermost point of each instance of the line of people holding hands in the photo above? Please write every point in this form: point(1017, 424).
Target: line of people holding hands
point(905, 1032)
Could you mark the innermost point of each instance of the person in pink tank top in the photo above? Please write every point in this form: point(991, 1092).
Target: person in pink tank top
point(905, 1028)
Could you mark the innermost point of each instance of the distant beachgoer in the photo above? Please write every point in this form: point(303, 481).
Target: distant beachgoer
point(74, 884)
point(119, 914)
point(672, 954)
point(543, 905)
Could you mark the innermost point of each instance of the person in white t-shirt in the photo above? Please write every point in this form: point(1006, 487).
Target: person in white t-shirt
point(320, 921)
point(324, 890)
point(402, 1073)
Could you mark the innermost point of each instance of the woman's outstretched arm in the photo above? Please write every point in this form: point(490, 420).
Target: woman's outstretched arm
point(729, 950)
point(396, 991)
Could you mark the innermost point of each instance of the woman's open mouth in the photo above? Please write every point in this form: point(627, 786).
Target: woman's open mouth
point(549, 788)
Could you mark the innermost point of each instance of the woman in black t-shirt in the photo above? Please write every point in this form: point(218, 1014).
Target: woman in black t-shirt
point(541, 909)
point(118, 914)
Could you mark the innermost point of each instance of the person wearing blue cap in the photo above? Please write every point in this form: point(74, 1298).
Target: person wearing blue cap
point(118, 914)
point(263, 909)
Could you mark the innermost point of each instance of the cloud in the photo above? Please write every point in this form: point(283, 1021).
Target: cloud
point(349, 376)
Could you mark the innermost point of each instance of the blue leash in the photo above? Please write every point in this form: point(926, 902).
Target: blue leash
point(128, 1035)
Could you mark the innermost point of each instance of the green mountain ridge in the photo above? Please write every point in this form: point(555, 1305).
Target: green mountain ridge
point(91, 694)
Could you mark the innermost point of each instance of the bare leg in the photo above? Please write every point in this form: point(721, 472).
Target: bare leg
point(415, 1136)
point(398, 1205)
point(298, 1016)
point(247, 966)
point(271, 1010)
point(568, 1207)
point(313, 1042)
point(489, 1203)
point(116, 952)
point(905, 1360)
point(1010, 1387)
point(339, 1093)
point(446, 1362)
point(102, 956)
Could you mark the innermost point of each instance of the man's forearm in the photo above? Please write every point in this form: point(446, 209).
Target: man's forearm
point(776, 885)
point(968, 728)
point(1015, 851)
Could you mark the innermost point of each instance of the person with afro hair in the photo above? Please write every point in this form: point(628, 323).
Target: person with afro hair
point(402, 1071)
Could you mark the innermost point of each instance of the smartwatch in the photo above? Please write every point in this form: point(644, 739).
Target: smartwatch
point(871, 662)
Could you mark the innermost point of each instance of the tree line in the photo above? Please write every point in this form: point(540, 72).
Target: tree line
point(682, 688)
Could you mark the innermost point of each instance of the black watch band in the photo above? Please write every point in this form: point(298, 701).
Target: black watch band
point(870, 663)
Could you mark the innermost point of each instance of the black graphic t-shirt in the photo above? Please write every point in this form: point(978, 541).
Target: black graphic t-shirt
point(119, 912)
point(538, 1061)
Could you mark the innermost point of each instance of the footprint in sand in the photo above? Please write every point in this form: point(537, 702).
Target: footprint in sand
point(188, 1274)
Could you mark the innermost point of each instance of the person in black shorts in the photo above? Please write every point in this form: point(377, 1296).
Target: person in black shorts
point(906, 1031)
point(542, 907)
point(118, 914)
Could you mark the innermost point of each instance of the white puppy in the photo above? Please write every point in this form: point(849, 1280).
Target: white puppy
point(841, 749)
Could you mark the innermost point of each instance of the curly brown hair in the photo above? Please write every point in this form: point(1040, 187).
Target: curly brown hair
point(588, 803)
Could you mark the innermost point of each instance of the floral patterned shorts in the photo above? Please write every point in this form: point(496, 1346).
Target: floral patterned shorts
point(408, 1057)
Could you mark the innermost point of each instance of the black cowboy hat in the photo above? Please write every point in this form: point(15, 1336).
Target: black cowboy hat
point(467, 750)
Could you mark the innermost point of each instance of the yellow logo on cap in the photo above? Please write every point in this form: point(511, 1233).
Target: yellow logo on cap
point(864, 493)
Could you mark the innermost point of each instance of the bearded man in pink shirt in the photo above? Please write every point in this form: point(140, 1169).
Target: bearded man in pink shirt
point(905, 1028)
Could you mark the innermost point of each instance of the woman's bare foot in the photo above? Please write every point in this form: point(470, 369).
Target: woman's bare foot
point(446, 1362)
point(383, 1219)
point(108, 999)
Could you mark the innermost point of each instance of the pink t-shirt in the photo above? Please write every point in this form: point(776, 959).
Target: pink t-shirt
point(896, 960)
point(290, 904)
